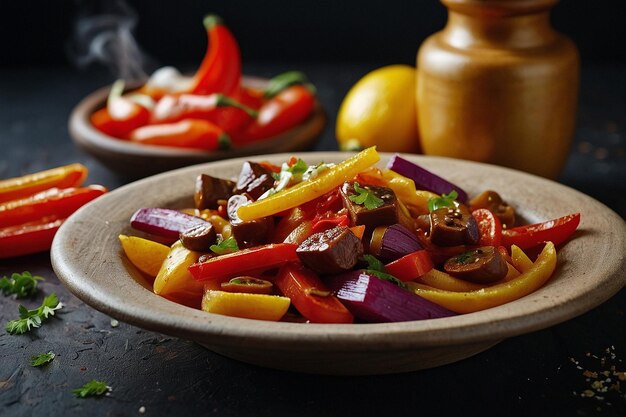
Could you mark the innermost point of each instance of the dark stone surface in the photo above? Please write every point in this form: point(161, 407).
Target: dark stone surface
point(526, 375)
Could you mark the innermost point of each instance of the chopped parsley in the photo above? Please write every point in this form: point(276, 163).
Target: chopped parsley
point(375, 267)
point(224, 246)
point(33, 318)
point(446, 200)
point(91, 389)
point(299, 168)
point(42, 359)
point(21, 285)
point(365, 197)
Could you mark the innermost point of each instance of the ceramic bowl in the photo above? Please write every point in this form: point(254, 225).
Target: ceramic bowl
point(88, 259)
point(132, 160)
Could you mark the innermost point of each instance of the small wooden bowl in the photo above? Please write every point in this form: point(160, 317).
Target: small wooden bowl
point(133, 160)
point(88, 259)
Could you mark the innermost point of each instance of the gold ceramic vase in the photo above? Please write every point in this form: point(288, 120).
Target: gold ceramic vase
point(499, 85)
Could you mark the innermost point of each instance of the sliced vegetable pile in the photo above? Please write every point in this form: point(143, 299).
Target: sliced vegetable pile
point(33, 207)
point(342, 243)
point(211, 110)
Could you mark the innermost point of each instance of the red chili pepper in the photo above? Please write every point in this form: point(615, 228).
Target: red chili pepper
point(310, 296)
point(244, 262)
point(219, 109)
point(556, 231)
point(287, 109)
point(28, 238)
point(220, 70)
point(62, 177)
point(489, 227)
point(121, 115)
point(411, 266)
point(189, 133)
point(53, 202)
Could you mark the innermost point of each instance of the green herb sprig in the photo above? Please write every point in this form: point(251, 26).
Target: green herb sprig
point(365, 197)
point(446, 200)
point(224, 246)
point(21, 285)
point(375, 267)
point(91, 389)
point(42, 359)
point(30, 319)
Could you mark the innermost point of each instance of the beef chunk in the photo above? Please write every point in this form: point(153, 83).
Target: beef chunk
point(331, 252)
point(248, 233)
point(254, 180)
point(209, 190)
point(385, 214)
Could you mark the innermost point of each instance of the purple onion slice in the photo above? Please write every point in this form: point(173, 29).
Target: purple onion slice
point(162, 222)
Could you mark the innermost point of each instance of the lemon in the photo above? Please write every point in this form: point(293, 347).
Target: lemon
point(380, 110)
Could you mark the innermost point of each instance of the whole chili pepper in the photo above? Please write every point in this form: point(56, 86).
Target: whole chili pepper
point(220, 70)
point(219, 109)
point(287, 109)
point(121, 114)
point(188, 133)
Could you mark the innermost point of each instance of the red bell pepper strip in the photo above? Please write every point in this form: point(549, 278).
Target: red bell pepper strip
point(489, 227)
point(556, 231)
point(53, 202)
point(28, 238)
point(287, 109)
point(62, 177)
point(220, 70)
point(244, 262)
point(189, 133)
point(411, 266)
point(330, 222)
point(310, 296)
point(121, 114)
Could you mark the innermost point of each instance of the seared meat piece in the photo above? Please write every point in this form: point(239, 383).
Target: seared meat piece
point(254, 180)
point(209, 190)
point(385, 213)
point(250, 233)
point(453, 226)
point(331, 252)
point(483, 265)
point(494, 203)
point(199, 237)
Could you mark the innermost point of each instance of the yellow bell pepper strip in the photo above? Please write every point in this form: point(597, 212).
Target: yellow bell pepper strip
point(146, 255)
point(405, 190)
point(444, 281)
point(520, 260)
point(245, 305)
point(472, 301)
point(174, 280)
point(62, 177)
point(311, 189)
point(511, 274)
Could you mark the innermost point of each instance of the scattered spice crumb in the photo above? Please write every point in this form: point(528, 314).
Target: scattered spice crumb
point(142, 410)
point(588, 393)
point(602, 377)
point(114, 323)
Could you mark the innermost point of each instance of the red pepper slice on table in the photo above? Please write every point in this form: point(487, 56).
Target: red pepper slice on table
point(121, 114)
point(310, 296)
point(220, 70)
point(287, 109)
point(244, 262)
point(556, 231)
point(28, 238)
point(489, 227)
point(62, 177)
point(54, 202)
point(189, 133)
point(411, 266)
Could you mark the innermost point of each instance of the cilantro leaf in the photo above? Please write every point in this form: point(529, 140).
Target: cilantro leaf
point(365, 197)
point(224, 246)
point(42, 359)
point(376, 268)
point(21, 285)
point(91, 389)
point(446, 200)
point(30, 319)
point(299, 168)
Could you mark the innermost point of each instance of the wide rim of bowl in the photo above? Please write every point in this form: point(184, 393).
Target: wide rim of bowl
point(85, 135)
point(591, 274)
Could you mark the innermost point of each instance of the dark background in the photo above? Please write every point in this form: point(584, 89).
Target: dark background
point(39, 32)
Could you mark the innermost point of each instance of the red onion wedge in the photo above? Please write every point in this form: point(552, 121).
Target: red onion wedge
point(162, 222)
point(425, 179)
point(371, 299)
point(389, 243)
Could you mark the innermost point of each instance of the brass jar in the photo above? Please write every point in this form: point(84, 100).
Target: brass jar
point(499, 85)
